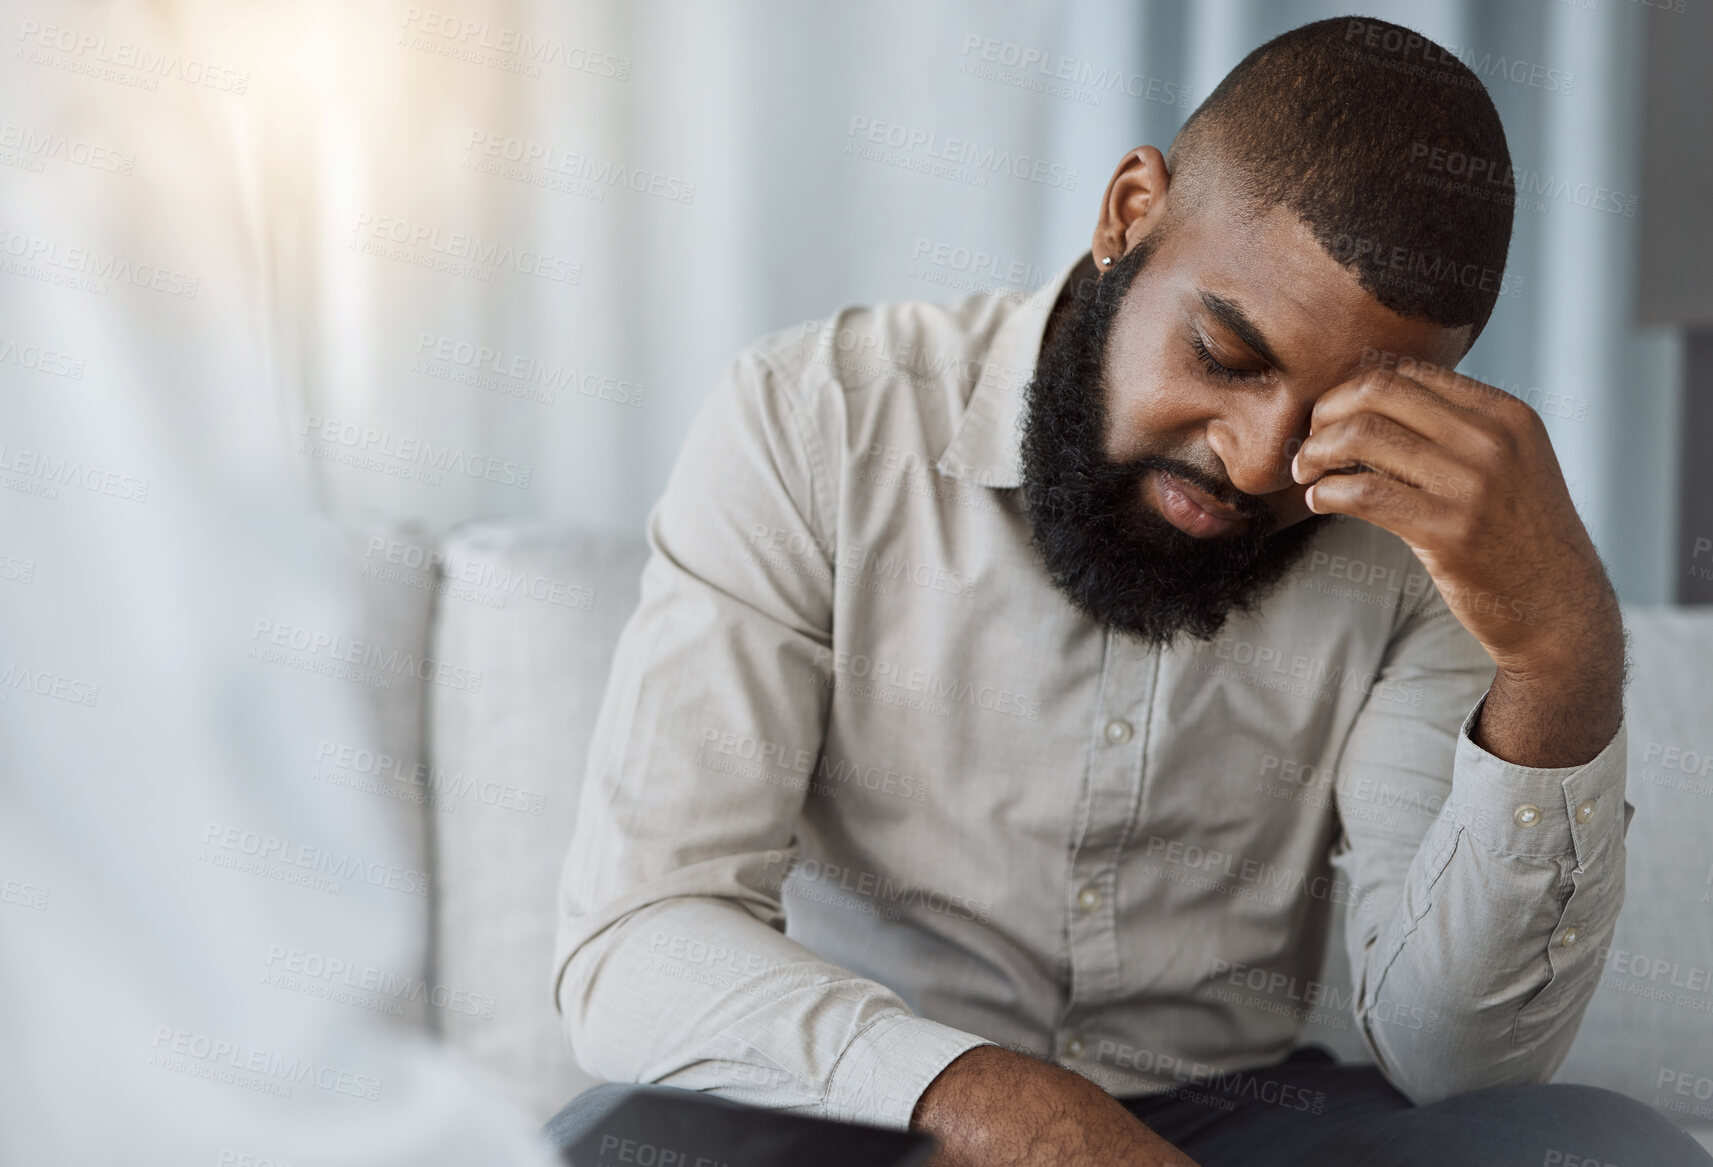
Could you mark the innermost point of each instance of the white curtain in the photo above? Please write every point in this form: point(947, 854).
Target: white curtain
point(744, 126)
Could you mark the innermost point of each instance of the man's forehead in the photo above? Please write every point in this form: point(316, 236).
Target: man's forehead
point(1262, 275)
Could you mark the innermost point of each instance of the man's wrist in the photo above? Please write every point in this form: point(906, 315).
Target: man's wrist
point(994, 1107)
point(1550, 718)
point(1559, 704)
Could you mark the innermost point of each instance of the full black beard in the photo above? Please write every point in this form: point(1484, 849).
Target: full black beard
point(1118, 561)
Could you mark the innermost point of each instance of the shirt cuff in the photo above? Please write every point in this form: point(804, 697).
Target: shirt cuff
point(1541, 812)
point(885, 1070)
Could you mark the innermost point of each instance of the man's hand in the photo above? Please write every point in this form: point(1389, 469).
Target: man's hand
point(993, 1107)
point(1465, 474)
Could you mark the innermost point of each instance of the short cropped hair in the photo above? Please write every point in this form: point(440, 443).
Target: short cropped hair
point(1342, 121)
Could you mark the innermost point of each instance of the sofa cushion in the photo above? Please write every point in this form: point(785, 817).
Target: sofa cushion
point(394, 563)
point(1649, 1030)
point(536, 611)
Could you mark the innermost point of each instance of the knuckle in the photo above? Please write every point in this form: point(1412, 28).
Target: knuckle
point(1364, 488)
point(1373, 384)
point(1493, 445)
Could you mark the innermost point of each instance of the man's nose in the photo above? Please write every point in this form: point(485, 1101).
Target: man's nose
point(1257, 446)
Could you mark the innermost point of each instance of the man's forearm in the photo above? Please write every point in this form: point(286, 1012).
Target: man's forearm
point(993, 1107)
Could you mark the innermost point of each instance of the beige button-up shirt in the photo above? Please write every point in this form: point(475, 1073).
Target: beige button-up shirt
point(866, 791)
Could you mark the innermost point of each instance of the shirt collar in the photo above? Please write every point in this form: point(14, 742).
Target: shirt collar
point(987, 447)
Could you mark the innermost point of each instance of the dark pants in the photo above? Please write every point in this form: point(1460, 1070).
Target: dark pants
point(1309, 1111)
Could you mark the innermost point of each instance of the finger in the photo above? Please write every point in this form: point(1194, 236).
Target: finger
point(1392, 395)
point(1373, 442)
point(1408, 513)
point(1458, 388)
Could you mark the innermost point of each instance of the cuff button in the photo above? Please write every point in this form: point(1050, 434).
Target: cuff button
point(1570, 935)
point(1585, 811)
point(1527, 815)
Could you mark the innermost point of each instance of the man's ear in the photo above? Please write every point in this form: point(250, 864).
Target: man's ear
point(1133, 206)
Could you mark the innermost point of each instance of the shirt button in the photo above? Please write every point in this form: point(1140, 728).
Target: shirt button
point(1074, 1048)
point(1118, 731)
point(1527, 815)
point(1088, 899)
point(1570, 935)
point(1586, 810)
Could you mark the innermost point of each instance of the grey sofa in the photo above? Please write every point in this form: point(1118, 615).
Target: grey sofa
point(487, 797)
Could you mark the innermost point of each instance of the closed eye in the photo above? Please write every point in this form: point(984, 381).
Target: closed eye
point(1218, 370)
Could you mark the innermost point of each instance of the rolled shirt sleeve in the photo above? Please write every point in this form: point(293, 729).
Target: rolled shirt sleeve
point(1479, 909)
point(672, 965)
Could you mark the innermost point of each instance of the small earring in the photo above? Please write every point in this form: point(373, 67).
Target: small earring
point(1106, 261)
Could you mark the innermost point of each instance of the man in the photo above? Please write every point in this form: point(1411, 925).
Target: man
point(1063, 722)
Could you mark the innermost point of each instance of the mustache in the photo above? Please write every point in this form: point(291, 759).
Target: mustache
point(1252, 506)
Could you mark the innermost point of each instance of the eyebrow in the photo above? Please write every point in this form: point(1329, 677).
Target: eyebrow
point(1235, 319)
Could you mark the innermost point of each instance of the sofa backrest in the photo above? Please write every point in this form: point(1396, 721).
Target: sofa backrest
point(536, 611)
point(396, 585)
point(516, 747)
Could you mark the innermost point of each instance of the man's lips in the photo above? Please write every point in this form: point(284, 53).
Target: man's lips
point(1191, 509)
